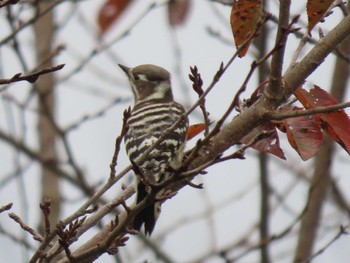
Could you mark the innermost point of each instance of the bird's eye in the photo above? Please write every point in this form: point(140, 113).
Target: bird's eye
point(136, 77)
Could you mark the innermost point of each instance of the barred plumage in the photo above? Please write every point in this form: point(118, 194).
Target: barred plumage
point(153, 113)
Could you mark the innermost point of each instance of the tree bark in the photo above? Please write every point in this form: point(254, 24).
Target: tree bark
point(45, 87)
point(321, 179)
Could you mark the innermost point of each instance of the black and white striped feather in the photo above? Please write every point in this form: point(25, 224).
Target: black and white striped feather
point(154, 112)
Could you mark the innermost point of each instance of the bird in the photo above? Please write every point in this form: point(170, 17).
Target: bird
point(153, 113)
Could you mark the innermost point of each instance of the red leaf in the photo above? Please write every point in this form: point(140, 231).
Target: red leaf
point(110, 12)
point(194, 130)
point(304, 134)
point(178, 11)
point(270, 142)
point(245, 15)
point(316, 9)
point(336, 124)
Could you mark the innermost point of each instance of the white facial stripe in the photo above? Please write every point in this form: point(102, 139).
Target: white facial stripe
point(134, 90)
point(159, 91)
point(143, 77)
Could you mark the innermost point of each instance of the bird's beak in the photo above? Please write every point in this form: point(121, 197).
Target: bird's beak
point(124, 68)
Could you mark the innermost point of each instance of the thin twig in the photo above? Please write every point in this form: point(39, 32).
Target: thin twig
point(46, 209)
point(323, 109)
point(342, 231)
point(197, 81)
point(81, 210)
point(36, 156)
point(32, 77)
point(216, 78)
point(235, 101)
point(20, 241)
point(36, 236)
point(29, 22)
point(89, 117)
point(105, 46)
point(118, 141)
point(6, 207)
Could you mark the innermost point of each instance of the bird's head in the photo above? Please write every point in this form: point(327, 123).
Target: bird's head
point(149, 82)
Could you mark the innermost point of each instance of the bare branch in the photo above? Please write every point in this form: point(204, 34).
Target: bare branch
point(325, 109)
point(37, 157)
point(17, 240)
point(197, 81)
point(278, 57)
point(29, 22)
point(6, 207)
point(46, 209)
point(32, 77)
point(342, 231)
point(252, 117)
point(8, 2)
point(118, 141)
point(36, 236)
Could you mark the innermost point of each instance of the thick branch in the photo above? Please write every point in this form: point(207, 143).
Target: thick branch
point(232, 133)
point(241, 125)
point(278, 56)
point(44, 31)
point(317, 193)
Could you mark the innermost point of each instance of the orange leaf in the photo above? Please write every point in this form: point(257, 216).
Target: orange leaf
point(269, 144)
point(304, 134)
point(178, 11)
point(245, 15)
point(110, 12)
point(336, 124)
point(316, 9)
point(194, 130)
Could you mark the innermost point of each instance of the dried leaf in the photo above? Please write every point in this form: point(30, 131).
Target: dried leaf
point(178, 11)
point(316, 9)
point(336, 124)
point(270, 142)
point(245, 15)
point(304, 134)
point(110, 12)
point(194, 130)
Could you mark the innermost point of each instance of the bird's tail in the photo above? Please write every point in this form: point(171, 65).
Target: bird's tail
point(149, 215)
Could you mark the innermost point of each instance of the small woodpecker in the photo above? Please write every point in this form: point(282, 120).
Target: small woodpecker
point(153, 113)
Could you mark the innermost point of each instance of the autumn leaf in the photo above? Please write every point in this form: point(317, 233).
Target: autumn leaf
point(194, 130)
point(178, 11)
point(316, 9)
point(304, 134)
point(110, 12)
point(245, 15)
point(270, 141)
point(336, 124)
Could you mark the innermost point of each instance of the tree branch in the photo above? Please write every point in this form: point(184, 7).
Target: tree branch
point(278, 56)
point(32, 77)
point(324, 109)
point(226, 137)
point(232, 133)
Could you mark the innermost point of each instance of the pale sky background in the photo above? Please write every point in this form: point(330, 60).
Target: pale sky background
point(152, 41)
